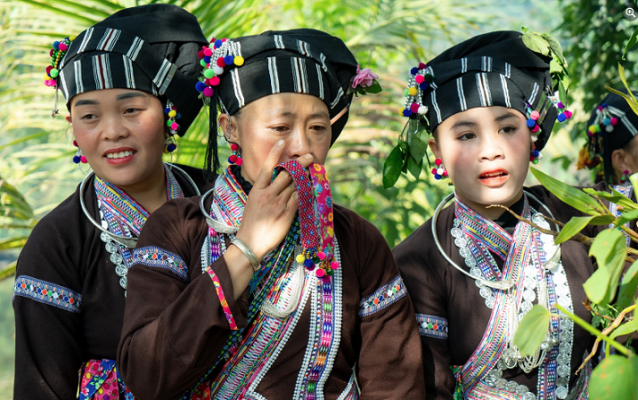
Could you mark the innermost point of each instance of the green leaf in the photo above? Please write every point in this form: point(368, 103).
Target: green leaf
point(624, 329)
point(572, 227)
point(613, 378)
point(626, 217)
point(631, 43)
point(414, 168)
point(418, 148)
point(555, 47)
point(537, 43)
point(375, 87)
point(628, 287)
point(596, 286)
point(555, 67)
point(531, 330)
point(568, 194)
point(609, 248)
point(392, 167)
point(562, 92)
point(613, 197)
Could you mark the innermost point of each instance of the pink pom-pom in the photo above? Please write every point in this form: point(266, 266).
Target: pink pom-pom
point(234, 147)
point(174, 126)
point(600, 108)
point(239, 161)
point(445, 173)
point(419, 78)
point(232, 158)
point(334, 265)
point(75, 143)
point(422, 66)
point(321, 255)
point(414, 107)
point(208, 52)
point(214, 81)
point(208, 92)
point(614, 120)
point(536, 128)
point(433, 171)
point(63, 47)
point(438, 162)
point(568, 114)
point(320, 273)
point(535, 115)
point(83, 160)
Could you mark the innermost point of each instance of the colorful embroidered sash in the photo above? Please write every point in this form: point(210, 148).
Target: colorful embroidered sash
point(248, 350)
point(100, 380)
point(498, 241)
point(124, 216)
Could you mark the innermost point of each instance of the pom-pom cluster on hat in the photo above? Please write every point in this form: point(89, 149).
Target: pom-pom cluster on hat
point(214, 58)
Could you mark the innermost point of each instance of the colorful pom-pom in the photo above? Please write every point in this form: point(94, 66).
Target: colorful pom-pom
point(536, 128)
point(48, 69)
point(433, 171)
point(75, 143)
point(560, 105)
point(531, 123)
point(172, 114)
point(200, 54)
point(220, 62)
point(535, 161)
point(207, 59)
point(334, 265)
point(320, 273)
point(218, 70)
point(414, 71)
point(412, 91)
point(174, 126)
point(54, 73)
point(208, 92)
point(239, 61)
point(234, 147)
point(424, 85)
point(307, 262)
point(208, 52)
point(63, 47)
point(171, 147)
point(568, 114)
point(218, 43)
point(609, 128)
point(422, 110)
point(200, 86)
point(229, 60)
point(83, 160)
point(76, 159)
point(239, 161)
point(56, 45)
point(438, 162)
point(561, 117)
point(437, 176)
point(300, 258)
point(414, 107)
point(593, 128)
point(422, 66)
point(407, 112)
point(232, 159)
point(535, 115)
point(203, 63)
point(444, 173)
point(535, 153)
point(214, 81)
point(321, 255)
point(614, 120)
point(419, 79)
point(209, 73)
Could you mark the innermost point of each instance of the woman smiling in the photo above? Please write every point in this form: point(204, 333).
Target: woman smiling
point(124, 82)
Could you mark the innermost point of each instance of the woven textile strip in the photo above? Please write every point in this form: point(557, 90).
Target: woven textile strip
point(157, 257)
point(100, 380)
point(432, 326)
point(125, 217)
point(496, 334)
point(613, 207)
point(383, 297)
point(222, 299)
point(324, 207)
point(47, 293)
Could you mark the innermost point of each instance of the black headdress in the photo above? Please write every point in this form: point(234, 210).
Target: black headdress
point(494, 69)
point(298, 61)
point(612, 124)
point(152, 48)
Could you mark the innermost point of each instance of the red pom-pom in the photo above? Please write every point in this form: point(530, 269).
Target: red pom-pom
point(438, 162)
point(49, 68)
point(422, 66)
point(214, 81)
point(444, 173)
point(614, 120)
point(234, 147)
point(414, 107)
point(220, 62)
point(535, 115)
point(334, 265)
point(232, 158)
point(75, 143)
point(419, 78)
point(320, 273)
point(51, 52)
point(208, 92)
point(433, 171)
point(239, 161)
point(200, 54)
point(208, 52)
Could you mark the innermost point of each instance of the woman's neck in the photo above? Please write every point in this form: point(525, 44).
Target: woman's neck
point(151, 193)
point(489, 212)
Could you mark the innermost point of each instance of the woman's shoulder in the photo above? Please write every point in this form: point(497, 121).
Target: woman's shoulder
point(194, 174)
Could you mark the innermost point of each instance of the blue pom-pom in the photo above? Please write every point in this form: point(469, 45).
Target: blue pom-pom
point(171, 147)
point(414, 71)
point(607, 121)
point(167, 110)
point(407, 112)
point(437, 176)
point(206, 59)
point(536, 153)
point(604, 105)
point(76, 159)
point(531, 123)
point(178, 116)
point(561, 117)
point(308, 262)
point(200, 86)
point(228, 60)
point(424, 85)
point(56, 45)
point(218, 43)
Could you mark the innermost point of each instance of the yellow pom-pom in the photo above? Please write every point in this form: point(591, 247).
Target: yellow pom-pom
point(172, 114)
point(71, 38)
point(239, 61)
point(412, 91)
point(300, 258)
point(47, 77)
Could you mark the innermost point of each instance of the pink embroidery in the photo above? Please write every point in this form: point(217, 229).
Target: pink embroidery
point(222, 298)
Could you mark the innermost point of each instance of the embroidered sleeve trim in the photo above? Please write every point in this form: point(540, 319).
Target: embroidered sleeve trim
point(222, 298)
point(47, 293)
point(432, 326)
point(382, 297)
point(157, 257)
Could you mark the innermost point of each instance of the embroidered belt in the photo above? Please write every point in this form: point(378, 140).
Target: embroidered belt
point(101, 380)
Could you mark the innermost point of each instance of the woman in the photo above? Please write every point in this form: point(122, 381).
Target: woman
point(472, 270)
point(117, 77)
point(247, 299)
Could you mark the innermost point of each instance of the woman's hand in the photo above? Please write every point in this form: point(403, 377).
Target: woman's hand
point(271, 206)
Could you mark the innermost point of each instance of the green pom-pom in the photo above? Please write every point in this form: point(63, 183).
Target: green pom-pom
point(54, 73)
point(535, 161)
point(209, 73)
point(405, 93)
point(168, 123)
point(202, 63)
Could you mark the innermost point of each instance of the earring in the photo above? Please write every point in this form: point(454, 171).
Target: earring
point(169, 144)
point(625, 177)
point(78, 157)
point(235, 158)
point(173, 116)
point(439, 171)
point(535, 156)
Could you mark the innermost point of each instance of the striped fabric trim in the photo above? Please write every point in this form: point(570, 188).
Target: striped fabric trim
point(436, 106)
point(299, 74)
point(279, 42)
point(534, 93)
point(64, 87)
point(459, 88)
point(157, 257)
point(337, 98)
point(102, 72)
point(128, 72)
point(135, 48)
point(623, 118)
point(383, 297)
point(320, 79)
point(47, 293)
point(323, 62)
point(85, 40)
point(234, 73)
point(109, 39)
point(506, 91)
point(274, 75)
point(432, 326)
point(508, 70)
point(79, 85)
point(222, 298)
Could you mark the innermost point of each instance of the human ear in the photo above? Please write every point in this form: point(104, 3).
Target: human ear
point(619, 162)
point(434, 146)
point(68, 118)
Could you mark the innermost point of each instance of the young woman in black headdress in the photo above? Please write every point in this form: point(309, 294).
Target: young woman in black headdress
point(127, 84)
point(262, 288)
point(473, 271)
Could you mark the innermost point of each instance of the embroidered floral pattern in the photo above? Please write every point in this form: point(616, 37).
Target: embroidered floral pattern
point(432, 326)
point(382, 297)
point(100, 380)
point(48, 293)
point(222, 298)
point(151, 256)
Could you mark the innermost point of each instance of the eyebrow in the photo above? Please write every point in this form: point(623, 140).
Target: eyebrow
point(320, 114)
point(504, 116)
point(462, 123)
point(86, 103)
point(129, 95)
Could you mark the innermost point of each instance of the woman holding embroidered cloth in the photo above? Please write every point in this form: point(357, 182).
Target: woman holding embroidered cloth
point(124, 82)
point(473, 271)
point(262, 288)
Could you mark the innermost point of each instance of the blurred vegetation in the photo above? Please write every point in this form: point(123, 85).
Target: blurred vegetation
point(389, 36)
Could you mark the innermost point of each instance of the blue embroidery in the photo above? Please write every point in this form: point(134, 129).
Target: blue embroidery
point(47, 293)
point(382, 297)
point(613, 207)
point(151, 256)
point(432, 326)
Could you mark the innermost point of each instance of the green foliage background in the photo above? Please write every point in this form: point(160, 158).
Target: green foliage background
point(388, 35)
